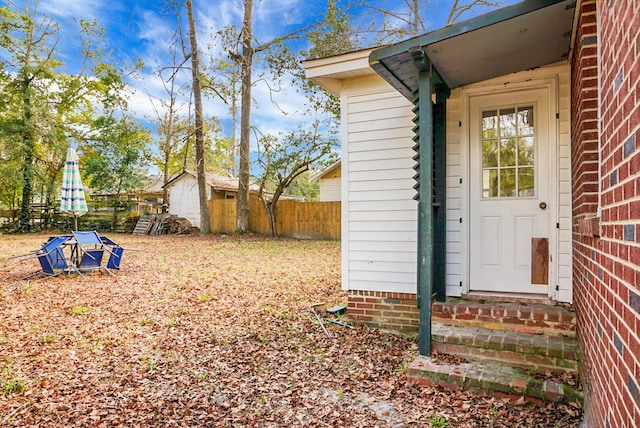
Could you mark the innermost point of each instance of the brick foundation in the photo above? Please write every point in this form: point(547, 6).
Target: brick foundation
point(389, 311)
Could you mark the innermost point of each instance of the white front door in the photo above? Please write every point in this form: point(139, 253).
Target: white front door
point(509, 189)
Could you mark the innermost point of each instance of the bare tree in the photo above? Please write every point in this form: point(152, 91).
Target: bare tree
point(205, 225)
point(458, 9)
point(398, 24)
point(170, 129)
point(246, 64)
point(243, 55)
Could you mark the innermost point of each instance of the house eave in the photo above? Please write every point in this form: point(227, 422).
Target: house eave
point(330, 72)
point(523, 36)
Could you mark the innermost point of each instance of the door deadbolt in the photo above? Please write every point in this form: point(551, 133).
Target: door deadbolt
point(543, 205)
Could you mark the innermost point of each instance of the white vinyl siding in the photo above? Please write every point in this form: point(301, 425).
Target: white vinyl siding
point(330, 189)
point(453, 203)
point(380, 215)
point(184, 200)
point(565, 288)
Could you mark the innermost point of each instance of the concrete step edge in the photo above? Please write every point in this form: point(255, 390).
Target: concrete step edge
point(489, 379)
point(515, 359)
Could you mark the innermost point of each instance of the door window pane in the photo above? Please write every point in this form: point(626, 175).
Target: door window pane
point(507, 122)
point(489, 124)
point(508, 182)
point(490, 153)
point(525, 120)
point(508, 152)
point(525, 151)
point(525, 182)
point(489, 183)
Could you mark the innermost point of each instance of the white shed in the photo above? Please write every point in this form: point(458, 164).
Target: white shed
point(329, 180)
point(183, 194)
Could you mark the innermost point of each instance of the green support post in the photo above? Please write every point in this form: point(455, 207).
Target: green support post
point(425, 203)
point(440, 199)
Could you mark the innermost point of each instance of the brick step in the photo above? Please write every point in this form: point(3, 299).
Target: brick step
point(524, 350)
point(552, 320)
point(491, 379)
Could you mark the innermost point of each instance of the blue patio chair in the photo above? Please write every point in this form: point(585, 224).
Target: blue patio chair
point(116, 253)
point(115, 257)
point(52, 243)
point(51, 257)
point(91, 259)
point(90, 250)
point(55, 249)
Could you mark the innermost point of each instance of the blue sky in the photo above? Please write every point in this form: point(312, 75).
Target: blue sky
point(140, 29)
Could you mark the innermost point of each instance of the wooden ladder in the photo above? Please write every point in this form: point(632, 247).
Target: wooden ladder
point(143, 225)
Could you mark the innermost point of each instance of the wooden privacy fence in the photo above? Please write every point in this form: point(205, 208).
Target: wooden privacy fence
point(303, 220)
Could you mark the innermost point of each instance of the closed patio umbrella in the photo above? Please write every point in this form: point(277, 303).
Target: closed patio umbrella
point(72, 199)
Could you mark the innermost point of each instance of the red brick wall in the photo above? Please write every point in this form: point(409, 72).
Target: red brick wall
point(584, 116)
point(606, 272)
point(389, 311)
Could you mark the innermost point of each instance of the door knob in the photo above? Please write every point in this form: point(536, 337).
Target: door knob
point(543, 205)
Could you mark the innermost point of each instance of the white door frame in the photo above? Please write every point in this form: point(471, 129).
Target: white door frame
point(551, 85)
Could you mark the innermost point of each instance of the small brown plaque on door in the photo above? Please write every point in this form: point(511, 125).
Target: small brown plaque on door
point(540, 261)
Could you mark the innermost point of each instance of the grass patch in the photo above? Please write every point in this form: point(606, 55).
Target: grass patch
point(11, 384)
point(438, 421)
point(48, 338)
point(79, 310)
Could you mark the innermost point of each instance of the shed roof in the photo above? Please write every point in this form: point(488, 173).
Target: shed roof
point(523, 36)
point(324, 171)
point(216, 181)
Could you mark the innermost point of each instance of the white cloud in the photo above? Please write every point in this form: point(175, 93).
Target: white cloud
point(213, 16)
point(78, 9)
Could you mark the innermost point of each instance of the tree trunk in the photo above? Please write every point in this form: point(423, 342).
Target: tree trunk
point(114, 218)
point(242, 214)
point(234, 135)
point(205, 226)
point(270, 208)
point(168, 144)
point(24, 219)
point(165, 180)
point(271, 211)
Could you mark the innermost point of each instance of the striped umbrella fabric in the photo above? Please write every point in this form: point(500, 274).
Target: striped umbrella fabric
point(72, 199)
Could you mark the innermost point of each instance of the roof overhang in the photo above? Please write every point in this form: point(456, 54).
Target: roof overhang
point(331, 71)
point(523, 36)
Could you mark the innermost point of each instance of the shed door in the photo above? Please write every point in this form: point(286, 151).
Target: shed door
point(509, 192)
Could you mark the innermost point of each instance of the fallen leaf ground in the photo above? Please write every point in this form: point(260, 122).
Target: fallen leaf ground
point(213, 331)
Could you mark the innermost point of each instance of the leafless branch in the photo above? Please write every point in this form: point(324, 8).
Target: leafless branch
point(456, 11)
